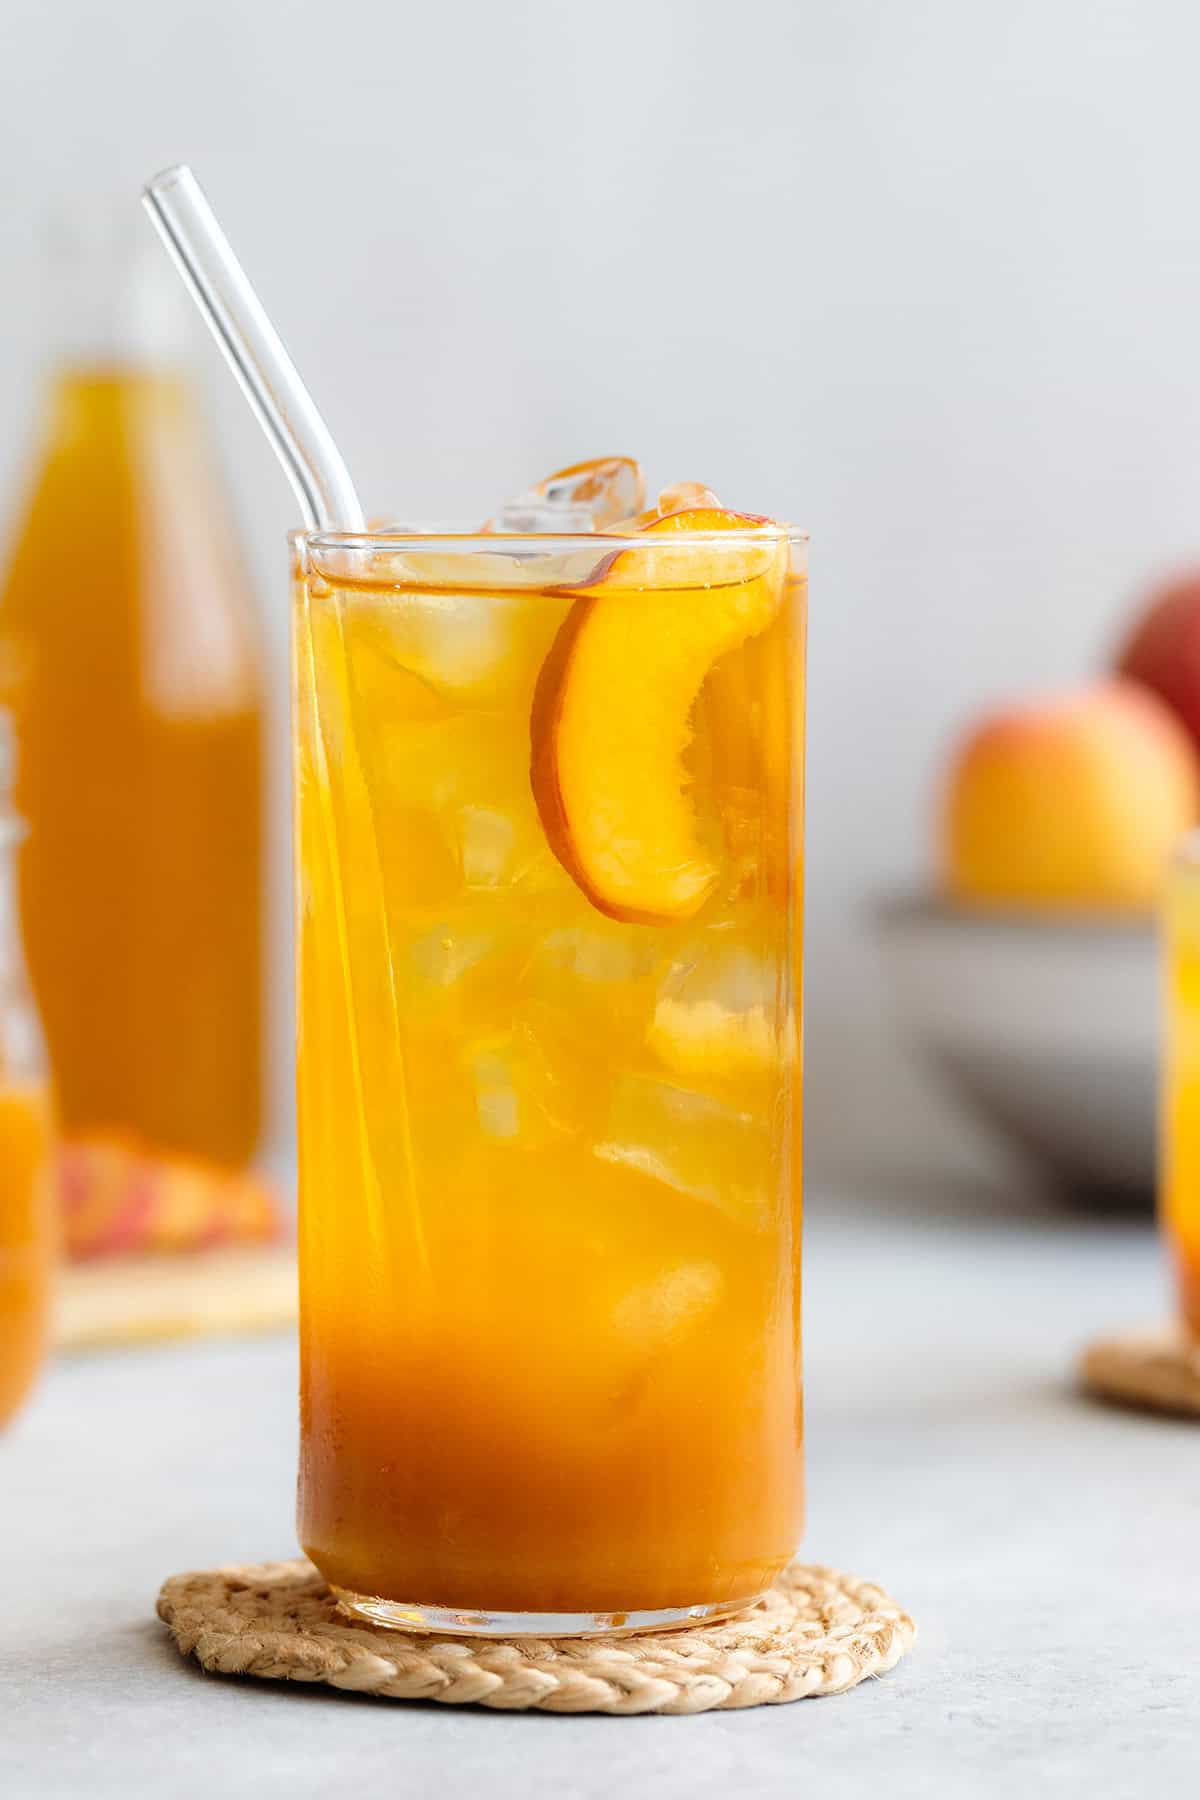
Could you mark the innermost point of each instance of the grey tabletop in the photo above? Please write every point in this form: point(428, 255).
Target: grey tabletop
point(1047, 1547)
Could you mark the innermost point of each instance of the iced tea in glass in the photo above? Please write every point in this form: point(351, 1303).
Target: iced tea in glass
point(548, 818)
point(1180, 1181)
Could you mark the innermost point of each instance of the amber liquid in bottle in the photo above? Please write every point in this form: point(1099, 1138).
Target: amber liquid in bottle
point(129, 658)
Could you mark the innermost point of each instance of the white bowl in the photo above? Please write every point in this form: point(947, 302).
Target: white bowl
point(1046, 1027)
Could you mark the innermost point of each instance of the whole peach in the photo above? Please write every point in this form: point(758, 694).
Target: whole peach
point(1163, 651)
point(1071, 802)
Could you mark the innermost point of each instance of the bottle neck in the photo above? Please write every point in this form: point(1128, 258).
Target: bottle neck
point(114, 304)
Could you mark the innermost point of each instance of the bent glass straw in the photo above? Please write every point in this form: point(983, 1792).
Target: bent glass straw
point(254, 350)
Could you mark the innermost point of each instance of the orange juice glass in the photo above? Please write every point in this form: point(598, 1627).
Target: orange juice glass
point(28, 1201)
point(548, 818)
point(1180, 1195)
point(28, 1235)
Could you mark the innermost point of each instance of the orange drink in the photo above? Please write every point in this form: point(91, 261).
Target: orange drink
point(27, 1237)
point(548, 836)
point(1180, 1195)
point(28, 1193)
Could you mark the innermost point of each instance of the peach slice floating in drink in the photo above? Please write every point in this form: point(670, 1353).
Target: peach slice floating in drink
point(609, 780)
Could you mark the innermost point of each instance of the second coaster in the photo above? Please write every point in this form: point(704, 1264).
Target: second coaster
point(816, 1632)
point(1158, 1370)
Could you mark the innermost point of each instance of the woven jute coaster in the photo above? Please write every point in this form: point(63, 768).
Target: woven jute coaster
point(816, 1632)
point(1158, 1370)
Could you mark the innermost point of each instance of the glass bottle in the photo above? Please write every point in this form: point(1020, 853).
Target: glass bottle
point(28, 1213)
point(129, 655)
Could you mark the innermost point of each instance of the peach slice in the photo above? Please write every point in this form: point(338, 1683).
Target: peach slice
point(758, 554)
point(635, 523)
point(611, 712)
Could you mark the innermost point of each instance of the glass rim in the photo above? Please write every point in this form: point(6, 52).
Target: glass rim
point(369, 543)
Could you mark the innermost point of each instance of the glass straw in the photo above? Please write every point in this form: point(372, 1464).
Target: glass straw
point(254, 350)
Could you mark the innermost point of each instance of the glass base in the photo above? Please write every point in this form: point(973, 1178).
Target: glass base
point(457, 1621)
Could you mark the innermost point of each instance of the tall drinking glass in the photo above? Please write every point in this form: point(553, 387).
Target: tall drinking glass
point(548, 819)
point(1180, 1195)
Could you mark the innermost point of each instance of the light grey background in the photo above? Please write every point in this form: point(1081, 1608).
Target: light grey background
point(925, 277)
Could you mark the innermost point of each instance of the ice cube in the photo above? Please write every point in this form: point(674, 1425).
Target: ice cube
point(486, 838)
point(594, 981)
point(683, 495)
point(535, 513)
point(469, 775)
point(446, 956)
point(650, 1315)
point(694, 1143)
point(597, 955)
point(505, 850)
point(419, 862)
point(721, 1013)
point(520, 1097)
point(467, 759)
point(588, 496)
point(448, 650)
point(496, 1095)
point(453, 973)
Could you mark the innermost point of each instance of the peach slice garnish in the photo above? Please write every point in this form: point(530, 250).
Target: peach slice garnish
point(658, 567)
point(611, 713)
